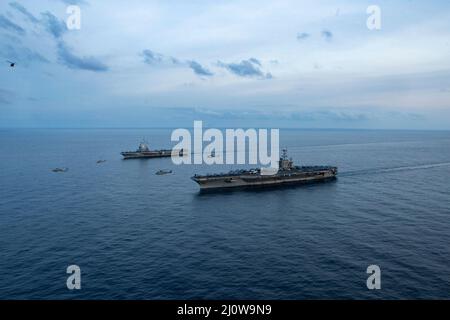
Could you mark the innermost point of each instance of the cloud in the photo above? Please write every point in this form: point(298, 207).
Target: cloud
point(151, 57)
point(24, 11)
point(154, 58)
point(255, 61)
point(30, 55)
point(333, 115)
point(8, 25)
point(57, 27)
point(54, 26)
point(327, 35)
point(302, 36)
point(72, 61)
point(245, 68)
point(22, 55)
point(199, 70)
point(328, 115)
point(345, 115)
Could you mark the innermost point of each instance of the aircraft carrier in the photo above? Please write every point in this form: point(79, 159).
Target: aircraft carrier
point(288, 174)
point(144, 152)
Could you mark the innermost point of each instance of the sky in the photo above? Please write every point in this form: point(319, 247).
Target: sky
point(286, 63)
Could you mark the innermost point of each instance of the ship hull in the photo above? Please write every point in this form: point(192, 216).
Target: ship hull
point(146, 155)
point(243, 182)
point(151, 154)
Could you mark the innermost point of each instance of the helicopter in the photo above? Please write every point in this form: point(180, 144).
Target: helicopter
point(11, 64)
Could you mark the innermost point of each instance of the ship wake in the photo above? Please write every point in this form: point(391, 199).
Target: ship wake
point(394, 169)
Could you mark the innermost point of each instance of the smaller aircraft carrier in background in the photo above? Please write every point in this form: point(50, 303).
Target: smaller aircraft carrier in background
point(144, 152)
point(287, 174)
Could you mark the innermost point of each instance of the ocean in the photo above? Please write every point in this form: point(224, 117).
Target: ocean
point(137, 235)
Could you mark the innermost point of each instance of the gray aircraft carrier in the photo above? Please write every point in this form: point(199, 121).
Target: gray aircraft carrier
point(144, 152)
point(288, 174)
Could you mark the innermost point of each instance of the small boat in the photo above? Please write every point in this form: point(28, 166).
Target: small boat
point(163, 172)
point(101, 161)
point(60, 170)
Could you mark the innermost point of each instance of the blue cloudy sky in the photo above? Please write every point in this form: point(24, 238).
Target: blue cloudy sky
point(287, 63)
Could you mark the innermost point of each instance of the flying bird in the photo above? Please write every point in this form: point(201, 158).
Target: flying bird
point(11, 64)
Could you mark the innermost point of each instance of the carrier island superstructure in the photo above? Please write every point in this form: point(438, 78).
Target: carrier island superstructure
point(288, 174)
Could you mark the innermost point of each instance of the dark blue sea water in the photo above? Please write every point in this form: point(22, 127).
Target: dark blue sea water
point(136, 235)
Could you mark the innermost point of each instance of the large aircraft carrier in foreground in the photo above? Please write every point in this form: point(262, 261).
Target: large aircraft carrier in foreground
point(287, 174)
